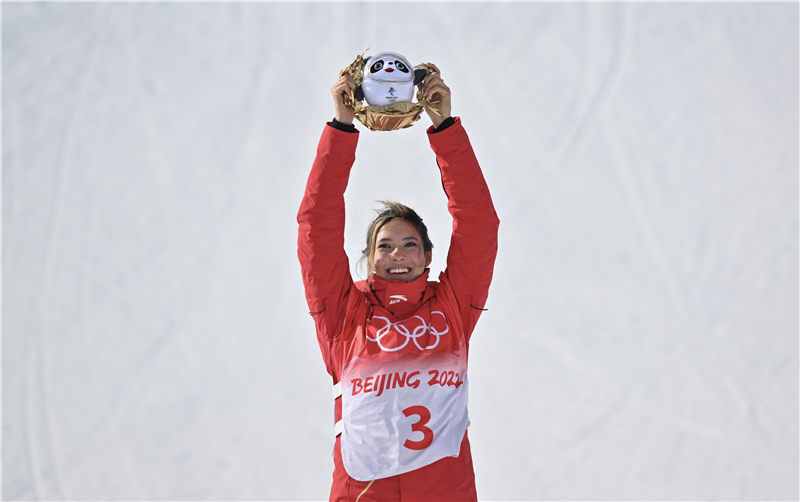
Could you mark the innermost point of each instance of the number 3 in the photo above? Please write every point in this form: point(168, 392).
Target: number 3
point(419, 426)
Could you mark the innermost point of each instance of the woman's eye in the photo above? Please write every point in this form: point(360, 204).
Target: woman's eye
point(384, 246)
point(410, 244)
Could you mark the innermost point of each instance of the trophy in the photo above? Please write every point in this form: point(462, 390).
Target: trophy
point(386, 83)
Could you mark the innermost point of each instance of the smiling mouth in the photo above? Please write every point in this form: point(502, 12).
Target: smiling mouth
point(399, 270)
point(390, 70)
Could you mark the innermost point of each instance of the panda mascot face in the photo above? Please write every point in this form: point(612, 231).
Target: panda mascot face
point(388, 78)
point(389, 69)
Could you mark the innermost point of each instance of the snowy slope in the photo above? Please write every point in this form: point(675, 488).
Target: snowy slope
point(642, 337)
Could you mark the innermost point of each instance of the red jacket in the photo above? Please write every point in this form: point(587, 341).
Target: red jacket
point(337, 304)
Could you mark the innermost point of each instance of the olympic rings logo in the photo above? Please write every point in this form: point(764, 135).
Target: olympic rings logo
point(383, 336)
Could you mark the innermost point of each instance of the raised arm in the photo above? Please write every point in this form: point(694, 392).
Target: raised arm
point(320, 239)
point(473, 244)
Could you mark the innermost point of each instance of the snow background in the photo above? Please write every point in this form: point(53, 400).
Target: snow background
point(642, 337)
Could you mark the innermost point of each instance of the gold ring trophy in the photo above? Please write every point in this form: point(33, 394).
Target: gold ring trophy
point(387, 86)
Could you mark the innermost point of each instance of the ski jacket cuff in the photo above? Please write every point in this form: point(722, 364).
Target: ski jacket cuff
point(444, 125)
point(342, 126)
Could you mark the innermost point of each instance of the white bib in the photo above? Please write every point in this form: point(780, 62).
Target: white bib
point(404, 396)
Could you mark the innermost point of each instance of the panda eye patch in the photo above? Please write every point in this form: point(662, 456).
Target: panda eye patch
point(400, 66)
point(376, 66)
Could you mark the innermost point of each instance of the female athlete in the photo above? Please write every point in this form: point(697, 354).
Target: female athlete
point(396, 344)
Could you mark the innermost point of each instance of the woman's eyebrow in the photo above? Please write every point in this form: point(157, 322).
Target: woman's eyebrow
point(389, 239)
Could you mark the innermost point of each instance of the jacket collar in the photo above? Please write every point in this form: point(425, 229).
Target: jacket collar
point(399, 297)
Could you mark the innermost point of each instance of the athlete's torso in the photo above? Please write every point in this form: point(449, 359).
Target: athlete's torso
point(403, 380)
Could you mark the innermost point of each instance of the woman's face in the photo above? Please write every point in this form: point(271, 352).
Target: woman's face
point(399, 253)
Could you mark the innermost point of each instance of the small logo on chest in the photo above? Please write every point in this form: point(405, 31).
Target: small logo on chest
point(397, 299)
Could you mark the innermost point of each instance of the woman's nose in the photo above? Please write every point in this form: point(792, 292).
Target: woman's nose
point(397, 253)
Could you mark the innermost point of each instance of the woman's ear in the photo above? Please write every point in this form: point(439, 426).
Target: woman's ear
point(428, 258)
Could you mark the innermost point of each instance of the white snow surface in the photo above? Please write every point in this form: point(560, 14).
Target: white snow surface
point(641, 340)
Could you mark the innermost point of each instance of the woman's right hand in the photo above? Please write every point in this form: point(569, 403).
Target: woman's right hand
point(345, 85)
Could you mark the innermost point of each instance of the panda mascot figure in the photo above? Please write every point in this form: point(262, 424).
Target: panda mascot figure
point(388, 79)
point(386, 83)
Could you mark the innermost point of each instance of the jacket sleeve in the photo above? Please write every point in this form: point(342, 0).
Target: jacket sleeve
point(320, 239)
point(473, 244)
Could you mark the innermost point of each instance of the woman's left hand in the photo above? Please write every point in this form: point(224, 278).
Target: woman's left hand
point(434, 89)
